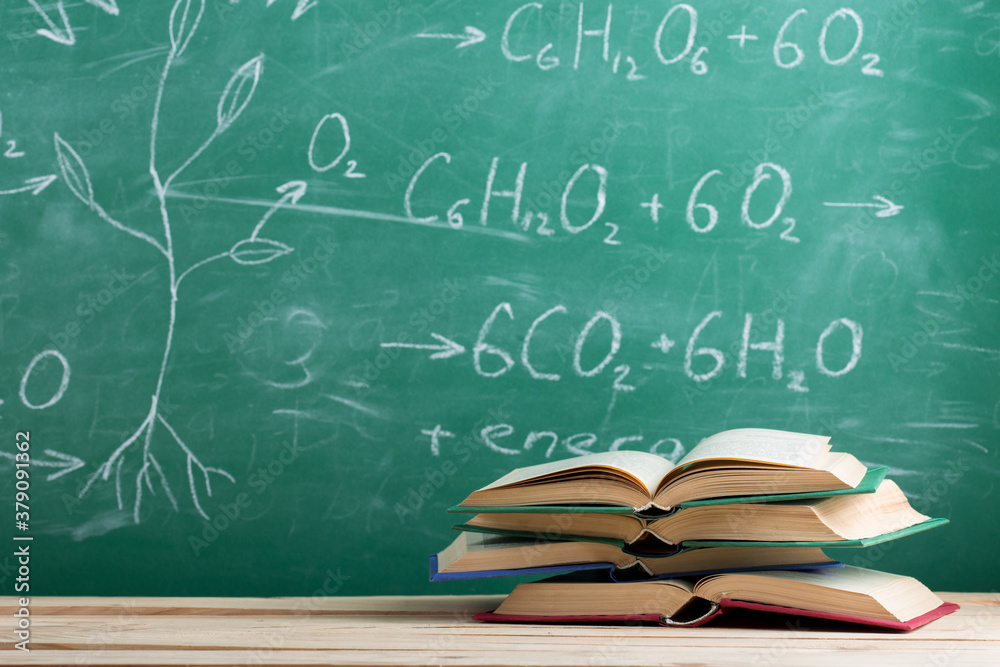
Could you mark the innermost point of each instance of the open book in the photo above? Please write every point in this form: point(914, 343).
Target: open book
point(742, 462)
point(849, 593)
point(826, 520)
point(478, 555)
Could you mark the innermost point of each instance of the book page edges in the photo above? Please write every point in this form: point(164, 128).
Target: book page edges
point(527, 534)
point(697, 544)
point(943, 610)
point(862, 542)
point(437, 575)
point(726, 605)
point(868, 484)
point(616, 573)
point(542, 509)
point(645, 468)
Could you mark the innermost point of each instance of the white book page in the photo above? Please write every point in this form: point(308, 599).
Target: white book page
point(647, 468)
point(847, 578)
point(758, 444)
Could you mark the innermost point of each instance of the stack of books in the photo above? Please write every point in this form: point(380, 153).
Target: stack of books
point(741, 521)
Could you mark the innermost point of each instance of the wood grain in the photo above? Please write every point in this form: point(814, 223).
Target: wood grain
point(436, 630)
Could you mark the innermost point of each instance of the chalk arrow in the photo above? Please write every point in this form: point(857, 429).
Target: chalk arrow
point(32, 185)
point(110, 6)
point(291, 192)
point(301, 8)
point(67, 462)
point(448, 348)
point(886, 209)
point(64, 34)
point(471, 36)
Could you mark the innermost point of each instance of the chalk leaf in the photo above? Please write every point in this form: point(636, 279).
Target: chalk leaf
point(239, 90)
point(74, 172)
point(184, 19)
point(251, 252)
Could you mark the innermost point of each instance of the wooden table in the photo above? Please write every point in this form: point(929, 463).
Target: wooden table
point(438, 630)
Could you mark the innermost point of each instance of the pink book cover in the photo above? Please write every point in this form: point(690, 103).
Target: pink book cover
point(726, 604)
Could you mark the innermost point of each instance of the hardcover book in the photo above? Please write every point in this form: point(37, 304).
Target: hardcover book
point(842, 519)
point(869, 484)
point(850, 594)
point(479, 555)
point(743, 462)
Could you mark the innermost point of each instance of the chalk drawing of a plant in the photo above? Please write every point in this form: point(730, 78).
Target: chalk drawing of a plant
point(184, 19)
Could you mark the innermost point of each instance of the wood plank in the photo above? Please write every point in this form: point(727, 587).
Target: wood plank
point(427, 605)
point(415, 605)
point(317, 632)
point(674, 655)
point(439, 630)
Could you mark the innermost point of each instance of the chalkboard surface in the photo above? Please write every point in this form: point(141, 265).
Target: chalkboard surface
point(282, 281)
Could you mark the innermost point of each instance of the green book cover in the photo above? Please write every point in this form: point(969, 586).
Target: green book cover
point(863, 542)
point(669, 550)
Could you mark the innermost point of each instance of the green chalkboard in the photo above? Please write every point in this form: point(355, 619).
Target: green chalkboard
point(282, 281)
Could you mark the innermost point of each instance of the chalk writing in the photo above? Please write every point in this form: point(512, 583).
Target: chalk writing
point(675, 42)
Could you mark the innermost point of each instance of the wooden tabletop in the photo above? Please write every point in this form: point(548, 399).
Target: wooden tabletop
point(438, 630)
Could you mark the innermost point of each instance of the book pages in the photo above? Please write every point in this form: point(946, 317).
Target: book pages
point(647, 469)
point(847, 578)
point(756, 444)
